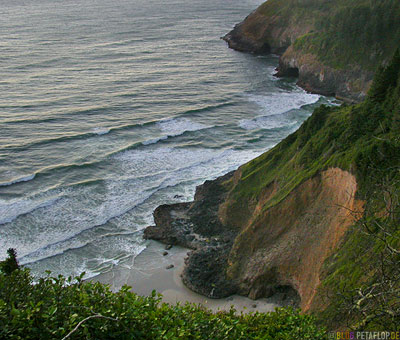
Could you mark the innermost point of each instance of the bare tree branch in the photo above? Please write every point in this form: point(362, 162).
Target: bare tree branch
point(96, 316)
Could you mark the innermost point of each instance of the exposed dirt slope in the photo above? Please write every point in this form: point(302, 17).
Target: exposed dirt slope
point(286, 245)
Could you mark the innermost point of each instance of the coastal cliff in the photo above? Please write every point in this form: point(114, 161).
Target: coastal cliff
point(284, 223)
point(277, 251)
point(333, 47)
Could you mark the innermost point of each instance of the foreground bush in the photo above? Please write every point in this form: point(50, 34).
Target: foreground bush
point(63, 308)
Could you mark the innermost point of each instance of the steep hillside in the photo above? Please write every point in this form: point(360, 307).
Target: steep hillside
point(273, 225)
point(333, 46)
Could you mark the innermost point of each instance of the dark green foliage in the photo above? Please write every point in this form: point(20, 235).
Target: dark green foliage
point(53, 307)
point(10, 264)
point(358, 32)
point(385, 79)
point(313, 124)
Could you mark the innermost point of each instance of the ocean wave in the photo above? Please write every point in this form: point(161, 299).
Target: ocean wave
point(18, 180)
point(10, 211)
point(55, 168)
point(177, 126)
point(46, 141)
point(172, 126)
point(65, 168)
point(208, 108)
point(32, 120)
point(100, 262)
point(154, 140)
point(191, 167)
point(82, 229)
point(101, 131)
point(42, 64)
point(61, 116)
point(71, 243)
point(278, 103)
point(274, 106)
point(98, 131)
point(266, 123)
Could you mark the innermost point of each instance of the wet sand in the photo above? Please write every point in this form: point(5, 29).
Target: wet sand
point(147, 272)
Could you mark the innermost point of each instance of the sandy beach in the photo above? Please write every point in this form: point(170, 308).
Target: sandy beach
point(149, 272)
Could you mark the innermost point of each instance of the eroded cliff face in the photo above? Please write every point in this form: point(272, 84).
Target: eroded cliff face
point(347, 84)
point(279, 250)
point(286, 245)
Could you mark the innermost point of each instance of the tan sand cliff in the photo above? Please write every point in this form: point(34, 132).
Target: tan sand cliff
point(287, 244)
point(278, 251)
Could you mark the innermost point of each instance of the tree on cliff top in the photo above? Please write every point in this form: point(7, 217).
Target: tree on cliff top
point(385, 79)
point(10, 264)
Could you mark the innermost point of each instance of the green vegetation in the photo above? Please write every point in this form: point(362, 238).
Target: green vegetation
point(10, 264)
point(355, 138)
point(59, 308)
point(344, 33)
point(364, 274)
point(363, 139)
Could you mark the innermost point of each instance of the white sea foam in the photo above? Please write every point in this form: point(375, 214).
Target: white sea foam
point(68, 223)
point(277, 103)
point(9, 211)
point(265, 122)
point(77, 221)
point(178, 126)
point(154, 140)
point(274, 105)
point(101, 131)
point(101, 256)
point(175, 127)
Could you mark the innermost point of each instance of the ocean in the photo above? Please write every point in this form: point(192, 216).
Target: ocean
point(111, 108)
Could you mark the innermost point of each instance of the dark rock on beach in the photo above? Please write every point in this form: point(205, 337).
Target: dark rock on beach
point(196, 225)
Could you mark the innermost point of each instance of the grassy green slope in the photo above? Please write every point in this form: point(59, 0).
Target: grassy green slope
point(363, 139)
point(353, 138)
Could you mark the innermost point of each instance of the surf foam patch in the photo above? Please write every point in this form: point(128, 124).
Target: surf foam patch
point(276, 104)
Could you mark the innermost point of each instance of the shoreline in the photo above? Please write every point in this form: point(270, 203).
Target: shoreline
point(148, 272)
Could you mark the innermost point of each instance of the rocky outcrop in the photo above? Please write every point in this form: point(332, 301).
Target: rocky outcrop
point(347, 84)
point(196, 225)
point(263, 34)
point(277, 251)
